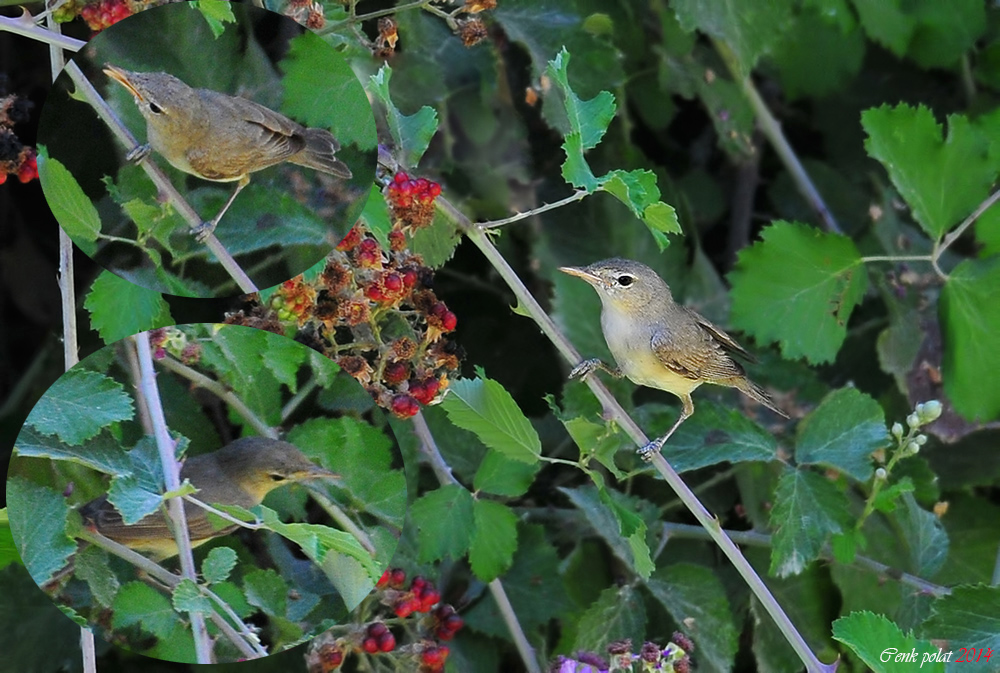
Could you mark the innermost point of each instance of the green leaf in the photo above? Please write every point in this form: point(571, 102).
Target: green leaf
point(146, 309)
point(842, 432)
point(696, 599)
point(411, 133)
point(8, 551)
point(436, 243)
point(91, 565)
point(923, 535)
point(822, 64)
point(187, 598)
point(616, 615)
point(321, 90)
point(878, 641)
point(78, 405)
point(614, 518)
point(597, 440)
point(266, 590)
point(37, 517)
point(637, 189)
point(285, 358)
point(886, 23)
point(317, 541)
point(970, 316)
point(484, 407)
point(941, 179)
point(217, 13)
point(38, 637)
point(444, 519)
point(218, 564)
point(588, 121)
point(714, 434)
point(945, 32)
point(139, 603)
point(886, 499)
point(72, 208)
point(500, 475)
point(749, 30)
point(808, 509)
point(491, 550)
point(103, 454)
point(798, 287)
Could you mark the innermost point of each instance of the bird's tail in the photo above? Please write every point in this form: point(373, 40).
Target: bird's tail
point(319, 154)
point(755, 392)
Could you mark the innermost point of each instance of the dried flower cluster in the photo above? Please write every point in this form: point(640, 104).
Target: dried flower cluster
point(469, 28)
point(422, 622)
point(15, 158)
point(307, 12)
point(373, 310)
point(673, 658)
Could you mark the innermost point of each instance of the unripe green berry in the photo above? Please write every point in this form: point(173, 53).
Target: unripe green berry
point(912, 447)
point(913, 420)
point(881, 474)
point(920, 439)
point(929, 411)
point(897, 430)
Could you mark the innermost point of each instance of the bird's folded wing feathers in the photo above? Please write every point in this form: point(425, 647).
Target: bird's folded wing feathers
point(727, 342)
point(705, 361)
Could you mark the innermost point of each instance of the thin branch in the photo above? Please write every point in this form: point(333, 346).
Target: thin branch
point(966, 223)
point(898, 258)
point(578, 195)
point(340, 517)
point(222, 515)
point(754, 539)
point(445, 476)
point(358, 18)
point(297, 399)
point(772, 130)
point(158, 177)
point(220, 391)
point(25, 26)
point(615, 412)
point(171, 474)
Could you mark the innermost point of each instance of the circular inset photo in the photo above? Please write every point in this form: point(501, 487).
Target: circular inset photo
point(207, 155)
point(206, 493)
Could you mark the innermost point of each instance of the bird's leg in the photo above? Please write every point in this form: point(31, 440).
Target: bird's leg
point(138, 153)
point(588, 366)
point(203, 230)
point(646, 452)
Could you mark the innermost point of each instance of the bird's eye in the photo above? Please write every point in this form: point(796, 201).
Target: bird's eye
point(277, 477)
point(155, 109)
point(625, 280)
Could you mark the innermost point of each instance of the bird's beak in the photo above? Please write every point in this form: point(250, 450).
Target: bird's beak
point(122, 77)
point(582, 273)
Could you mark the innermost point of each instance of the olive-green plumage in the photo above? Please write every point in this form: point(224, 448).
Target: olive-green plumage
point(658, 343)
point(241, 473)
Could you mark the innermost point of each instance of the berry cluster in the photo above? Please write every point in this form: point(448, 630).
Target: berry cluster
point(673, 658)
point(99, 15)
point(306, 12)
point(424, 634)
point(373, 310)
point(15, 158)
point(411, 200)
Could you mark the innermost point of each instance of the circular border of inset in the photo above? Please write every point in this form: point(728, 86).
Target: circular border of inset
point(86, 484)
point(97, 182)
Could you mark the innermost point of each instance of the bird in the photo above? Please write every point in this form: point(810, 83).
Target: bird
point(241, 473)
point(218, 137)
point(659, 343)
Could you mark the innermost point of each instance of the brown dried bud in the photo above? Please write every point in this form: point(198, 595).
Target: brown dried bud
point(472, 31)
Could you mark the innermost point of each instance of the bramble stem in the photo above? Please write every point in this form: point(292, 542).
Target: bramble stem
point(443, 472)
point(772, 131)
point(171, 476)
point(159, 178)
point(577, 196)
point(614, 411)
point(24, 26)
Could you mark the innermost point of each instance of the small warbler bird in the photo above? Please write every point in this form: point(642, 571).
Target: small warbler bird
point(658, 343)
point(241, 473)
point(219, 137)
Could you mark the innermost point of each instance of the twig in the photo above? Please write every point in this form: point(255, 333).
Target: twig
point(23, 25)
point(614, 411)
point(577, 196)
point(222, 515)
point(171, 474)
point(772, 130)
point(341, 518)
point(943, 245)
point(358, 18)
point(445, 476)
point(220, 391)
point(158, 177)
point(297, 399)
point(755, 539)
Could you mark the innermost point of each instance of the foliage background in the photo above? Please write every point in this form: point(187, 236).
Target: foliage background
point(896, 178)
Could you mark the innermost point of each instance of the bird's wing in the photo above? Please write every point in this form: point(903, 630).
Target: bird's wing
point(109, 522)
point(271, 134)
point(727, 342)
point(698, 359)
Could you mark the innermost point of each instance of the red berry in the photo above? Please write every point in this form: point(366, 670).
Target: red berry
point(449, 321)
point(410, 278)
point(383, 580)
point(398, 577)
point(393, 282)
point(417, 585)
point(429, 599)
point(404, 406)
point(405, 609)
point(28, 170)
point(397, 240)
point(395, 373)
point(350, 241)
point(387, 642)
point(370, 645)
point(434, 190)
point(453, 624)
point(377, 629)
point(400, 177)
point(434, 656)
point(374, 292)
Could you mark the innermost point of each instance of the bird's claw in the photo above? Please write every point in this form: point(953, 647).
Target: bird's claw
point(585, 368)
point(646, 452)
point(203, 230)
point(138, 153)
